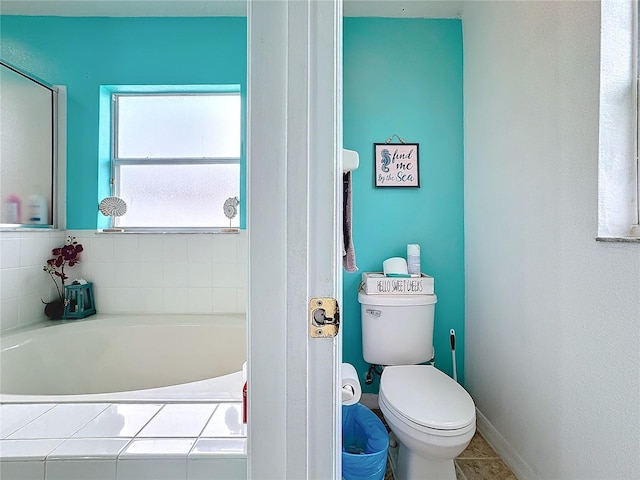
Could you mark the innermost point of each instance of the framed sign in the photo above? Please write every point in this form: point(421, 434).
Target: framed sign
point(396, 165)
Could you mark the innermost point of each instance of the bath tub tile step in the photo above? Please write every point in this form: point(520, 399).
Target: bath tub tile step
point(119, 420)
point(28, 450)
point(226, 422)
point(89, 449)
point(62, 421)
point(14, 417)
point(179, 420)
point(155, 459)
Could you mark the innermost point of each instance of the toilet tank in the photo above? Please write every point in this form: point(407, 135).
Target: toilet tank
point(397, 329)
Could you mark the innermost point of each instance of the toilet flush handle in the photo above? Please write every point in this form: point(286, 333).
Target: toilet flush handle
point(375, 313)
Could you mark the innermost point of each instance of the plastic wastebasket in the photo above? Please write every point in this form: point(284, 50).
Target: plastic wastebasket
point(365, 443)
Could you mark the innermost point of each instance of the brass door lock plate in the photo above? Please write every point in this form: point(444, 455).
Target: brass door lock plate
point(324, 317)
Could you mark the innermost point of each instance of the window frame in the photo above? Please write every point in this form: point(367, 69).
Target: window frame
point(117, 162)
point(619, 123)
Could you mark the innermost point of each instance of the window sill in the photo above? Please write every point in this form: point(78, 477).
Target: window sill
point(159, 231)
point(618, 239)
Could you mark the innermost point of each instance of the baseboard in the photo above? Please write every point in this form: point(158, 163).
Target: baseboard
point(508, 454)
point(369, 400)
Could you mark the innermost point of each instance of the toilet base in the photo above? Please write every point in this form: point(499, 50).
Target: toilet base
point(414, 467)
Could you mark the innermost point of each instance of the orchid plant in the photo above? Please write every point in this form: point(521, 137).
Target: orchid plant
point(65, 256)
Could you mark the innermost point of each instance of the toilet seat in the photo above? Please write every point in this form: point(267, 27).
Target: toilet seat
point(427, 398)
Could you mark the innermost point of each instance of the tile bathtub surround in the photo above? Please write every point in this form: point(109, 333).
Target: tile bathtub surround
point(23, 284)
point(109, 442)
point(165, 273)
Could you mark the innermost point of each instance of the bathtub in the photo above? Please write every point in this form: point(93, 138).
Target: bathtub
point(120, 358)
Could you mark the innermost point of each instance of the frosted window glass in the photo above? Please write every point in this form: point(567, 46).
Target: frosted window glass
point(179, 126)
point(178, 195)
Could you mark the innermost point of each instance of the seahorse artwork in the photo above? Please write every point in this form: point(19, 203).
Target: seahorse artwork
point(386, 160)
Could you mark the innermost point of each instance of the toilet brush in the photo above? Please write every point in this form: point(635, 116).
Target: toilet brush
point(452, 339)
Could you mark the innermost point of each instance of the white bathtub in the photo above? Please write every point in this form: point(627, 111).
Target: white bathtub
point(119, 358)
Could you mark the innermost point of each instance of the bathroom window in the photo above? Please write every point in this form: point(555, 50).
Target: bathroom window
point(176, 158)
point(618, 182)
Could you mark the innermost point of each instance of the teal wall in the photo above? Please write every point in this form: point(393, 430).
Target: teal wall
point(404, 76)
point(86, 52)
point(401, 76)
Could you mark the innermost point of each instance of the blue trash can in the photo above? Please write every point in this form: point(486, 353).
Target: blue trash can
point(365, 443)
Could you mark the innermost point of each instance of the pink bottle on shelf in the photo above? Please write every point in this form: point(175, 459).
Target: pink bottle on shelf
point(12, 209)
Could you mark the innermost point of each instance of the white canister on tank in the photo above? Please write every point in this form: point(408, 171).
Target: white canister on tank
point(413, 258)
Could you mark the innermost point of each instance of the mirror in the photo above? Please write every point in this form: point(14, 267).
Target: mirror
point(27, 150)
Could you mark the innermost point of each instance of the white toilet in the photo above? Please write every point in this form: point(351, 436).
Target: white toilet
point(432, 416)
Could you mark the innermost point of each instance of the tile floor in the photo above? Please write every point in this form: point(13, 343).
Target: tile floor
point(478, 462)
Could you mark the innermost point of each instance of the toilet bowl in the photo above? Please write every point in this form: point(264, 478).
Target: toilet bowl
point(432, 416)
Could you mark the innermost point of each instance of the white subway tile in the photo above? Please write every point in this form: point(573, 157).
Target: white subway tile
point(223, 447)
point(151, 248)
point(27, 470)
point(125, 248)
point(151, 274)
point(61, 421)
point(106, 299)
point(158, 448)
point(199, 300)
point(101, 249)
point(9, 314)
point(9, 283)
point(225, 247)
point(80, 469)
point(27, 450)
point(176, 420)
point(242, 274)
point(9, 252)
point(226, 468)
point(157, 469)
point(103, 275)
point(150, 300)
point(31, 309)
point(242, 300)
point(226, 422)
point(175, 299)
point(175, 248)
point(225, 300)
point(127, 299)
point(35, 280)
point(15, 416)
point(199, 275)
point(242, 246)
point(90, 448)
point(225, 275)
point(118, 420)
point(175, 274)
point(199, 248)
point(126, 274)
point(34, 251)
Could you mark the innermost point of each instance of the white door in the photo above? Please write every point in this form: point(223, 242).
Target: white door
point(294, 212)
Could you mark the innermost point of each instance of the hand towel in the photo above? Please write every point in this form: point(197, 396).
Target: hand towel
point(348, 251)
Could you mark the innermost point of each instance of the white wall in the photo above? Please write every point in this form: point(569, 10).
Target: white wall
point(131, 273)
point(552, 316)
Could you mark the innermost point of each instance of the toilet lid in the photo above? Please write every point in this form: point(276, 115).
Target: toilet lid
point(426, 396)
